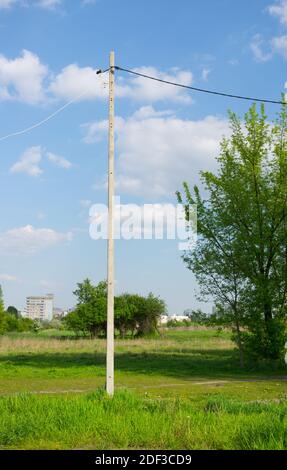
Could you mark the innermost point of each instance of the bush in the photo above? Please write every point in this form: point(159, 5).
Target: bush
point(133, 313)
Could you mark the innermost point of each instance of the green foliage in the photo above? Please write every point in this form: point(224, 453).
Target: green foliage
point(197, 316)
point(240, 259)
point(13, 311)
point(128, 421)
point(11, 321)
point(188, 392)
point(133, 313)
point(126, 308)
point(148, 313)
point(89, 316)
point(18, 324)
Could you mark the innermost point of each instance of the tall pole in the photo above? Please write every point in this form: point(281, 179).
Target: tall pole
point(110, 307)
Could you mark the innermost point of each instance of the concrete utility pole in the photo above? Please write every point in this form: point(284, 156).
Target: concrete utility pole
point(110, 312)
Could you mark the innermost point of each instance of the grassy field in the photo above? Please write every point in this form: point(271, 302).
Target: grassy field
point(183, 389)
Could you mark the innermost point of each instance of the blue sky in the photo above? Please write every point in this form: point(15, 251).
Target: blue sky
point(49, 53)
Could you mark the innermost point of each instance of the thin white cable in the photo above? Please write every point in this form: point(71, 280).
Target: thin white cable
point(38, 124)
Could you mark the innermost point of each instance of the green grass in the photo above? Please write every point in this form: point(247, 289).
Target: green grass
point(186, 390)
point(130, 422)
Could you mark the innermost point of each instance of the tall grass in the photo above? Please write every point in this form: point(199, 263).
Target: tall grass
point(130, 422)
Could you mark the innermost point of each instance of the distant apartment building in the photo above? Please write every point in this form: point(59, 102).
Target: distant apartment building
point(40, 307)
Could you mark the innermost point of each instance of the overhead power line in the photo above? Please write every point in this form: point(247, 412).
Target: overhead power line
point(201, 90)
point(149, 77)
point(48, 118)
point(38, 124)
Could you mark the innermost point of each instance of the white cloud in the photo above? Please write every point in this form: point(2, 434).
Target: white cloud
point(157, 153)
point(46, 4)
point(8, 278)
point(73, 81)
point(59, 161)
point(256, 47)
point(95, 130)
point(143, 89)
point(22, 78)
point(276, 45)
point(279, 10)
point(29, 240)
point(49, 4)
point(146, 112)
point(27, 80)
point(29, 162)
point(279, 45)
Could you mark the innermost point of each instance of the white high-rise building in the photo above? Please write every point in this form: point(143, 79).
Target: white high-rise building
point(40, 307)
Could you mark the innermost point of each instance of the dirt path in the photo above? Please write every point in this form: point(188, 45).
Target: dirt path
point(147, 387)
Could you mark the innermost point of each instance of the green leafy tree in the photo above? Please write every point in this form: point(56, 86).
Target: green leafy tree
point(196, 316)
point(126, 307)
point(148, 313)
point(133, 313)
point(12, 320)
point(241, 255)
point(11, 310)
point(90, 313)
point(26, 324)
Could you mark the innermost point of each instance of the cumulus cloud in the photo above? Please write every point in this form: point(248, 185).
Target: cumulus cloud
point(29, 162)
point(29, 240)
point(279, 9)
point(31, 159)
point(279, 45)
point(264, 50)
point(276, 45)
point(73, 81)
point(26, 79)
point(59, 161)
point(157, 153)
point(256, 46)
point(143, 89)
point(22, 78)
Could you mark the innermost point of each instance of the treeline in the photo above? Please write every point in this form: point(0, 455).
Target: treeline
point(135, 315)
point(11, 320)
